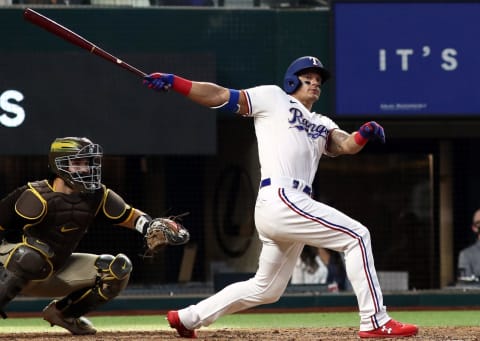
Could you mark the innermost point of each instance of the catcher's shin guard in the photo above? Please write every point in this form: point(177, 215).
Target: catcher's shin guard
point(114, 273)
point(10, 286)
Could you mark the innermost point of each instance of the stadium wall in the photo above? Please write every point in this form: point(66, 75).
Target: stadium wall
point(164, 166)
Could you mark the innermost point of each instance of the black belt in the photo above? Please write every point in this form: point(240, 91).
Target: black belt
point(295, 183)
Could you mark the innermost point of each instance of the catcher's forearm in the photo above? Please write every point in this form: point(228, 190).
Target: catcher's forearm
point(142, 222)
point(136, 220)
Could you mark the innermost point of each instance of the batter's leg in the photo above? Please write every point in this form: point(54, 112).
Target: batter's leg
point(362, 275)
point(320, 225)
point(276, 264)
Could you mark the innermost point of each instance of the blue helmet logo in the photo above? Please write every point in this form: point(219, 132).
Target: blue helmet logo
point(291, 82)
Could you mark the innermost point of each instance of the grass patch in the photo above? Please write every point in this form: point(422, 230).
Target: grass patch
point(277, 320)
point(346, 319)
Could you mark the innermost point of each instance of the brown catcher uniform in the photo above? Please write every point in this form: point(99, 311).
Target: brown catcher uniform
point(41, 225)
point(54, 223)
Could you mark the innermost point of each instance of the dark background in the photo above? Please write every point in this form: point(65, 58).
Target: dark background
point(74, 94)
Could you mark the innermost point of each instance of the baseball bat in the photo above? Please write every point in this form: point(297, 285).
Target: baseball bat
point(70, 36)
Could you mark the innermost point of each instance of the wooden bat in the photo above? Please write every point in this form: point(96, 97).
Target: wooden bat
point(70, 36)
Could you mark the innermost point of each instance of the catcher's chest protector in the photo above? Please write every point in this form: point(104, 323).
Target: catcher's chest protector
point(58, 219)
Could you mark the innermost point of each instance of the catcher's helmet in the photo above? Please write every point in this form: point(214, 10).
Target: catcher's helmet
point(291, 82)
point(66, 149)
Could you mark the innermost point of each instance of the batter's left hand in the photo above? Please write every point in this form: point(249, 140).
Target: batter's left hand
point(159, 81)
point(372, 131)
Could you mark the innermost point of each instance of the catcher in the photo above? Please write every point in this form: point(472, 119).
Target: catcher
point(52, 216)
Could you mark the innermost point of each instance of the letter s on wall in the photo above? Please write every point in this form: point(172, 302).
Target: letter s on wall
point(17, 113)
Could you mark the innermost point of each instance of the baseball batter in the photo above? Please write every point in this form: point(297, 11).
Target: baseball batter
point(291, 141)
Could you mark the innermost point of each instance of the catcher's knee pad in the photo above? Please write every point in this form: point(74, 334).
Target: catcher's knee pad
point(23, 264)
point(29, 263)
point(114, 274)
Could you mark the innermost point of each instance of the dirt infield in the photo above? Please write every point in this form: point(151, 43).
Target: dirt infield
point(290, 334)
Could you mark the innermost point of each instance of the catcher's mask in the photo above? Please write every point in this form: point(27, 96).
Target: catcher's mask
point(78, 162)
point(291, 82)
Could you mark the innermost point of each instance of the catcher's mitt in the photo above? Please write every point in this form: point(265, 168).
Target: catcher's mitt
point(163, 231)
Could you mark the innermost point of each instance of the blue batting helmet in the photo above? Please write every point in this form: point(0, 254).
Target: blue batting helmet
point(291, 81)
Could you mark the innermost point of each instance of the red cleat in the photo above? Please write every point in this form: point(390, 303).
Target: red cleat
point(174, 321)
point(390, 329)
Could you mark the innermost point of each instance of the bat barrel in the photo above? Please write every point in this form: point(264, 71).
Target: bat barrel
point(70, 36)
point(55, 28)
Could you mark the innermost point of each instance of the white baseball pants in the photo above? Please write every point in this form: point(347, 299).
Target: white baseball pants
point(286, 220)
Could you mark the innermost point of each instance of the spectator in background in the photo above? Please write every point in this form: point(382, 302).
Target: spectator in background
point(337, 275)
point(310, 269)
point(469, 258)
point(320, 266)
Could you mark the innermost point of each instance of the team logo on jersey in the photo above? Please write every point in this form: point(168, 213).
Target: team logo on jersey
point(302, 124)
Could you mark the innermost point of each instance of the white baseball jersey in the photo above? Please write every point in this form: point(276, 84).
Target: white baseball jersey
point(291, 141)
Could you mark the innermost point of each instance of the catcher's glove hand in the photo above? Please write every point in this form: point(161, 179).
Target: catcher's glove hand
point(163, 231)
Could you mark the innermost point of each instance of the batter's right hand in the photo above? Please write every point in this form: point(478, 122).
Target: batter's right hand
point(371, 131)
point(159, 81)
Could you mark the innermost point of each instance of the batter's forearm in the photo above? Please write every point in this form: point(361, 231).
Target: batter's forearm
point(340, 142)
point(208, 94)
point(216, 97)
point(204, 93)
point(351, 145)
